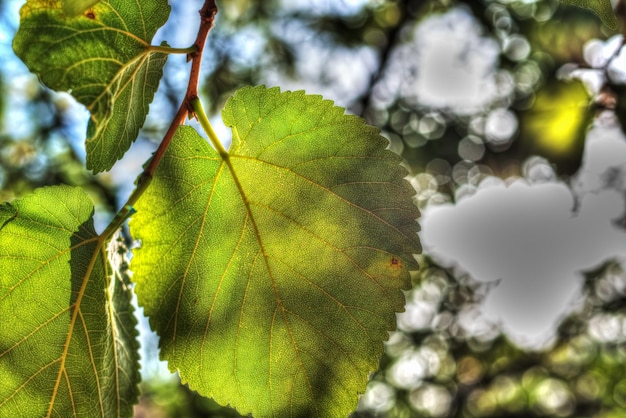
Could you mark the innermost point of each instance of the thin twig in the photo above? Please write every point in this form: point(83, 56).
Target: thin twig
point(207, 18)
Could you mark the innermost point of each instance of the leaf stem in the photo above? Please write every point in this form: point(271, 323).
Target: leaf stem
point(196, 104)
point(124, 213)
point(172, 50)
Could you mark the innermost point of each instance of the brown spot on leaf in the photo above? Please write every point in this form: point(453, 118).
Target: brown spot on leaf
point(90, 14)
point(395, 263)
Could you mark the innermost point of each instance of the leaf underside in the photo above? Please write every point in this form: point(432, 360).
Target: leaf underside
point(273, 276)
point(102, 57)
point(73, 351)
point(601, 8)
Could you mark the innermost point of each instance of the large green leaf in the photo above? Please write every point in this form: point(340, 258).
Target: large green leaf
point(273, 275)
point(68, 342)
point(103, 58)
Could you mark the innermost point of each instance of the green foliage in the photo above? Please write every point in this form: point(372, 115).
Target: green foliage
point(602, 8)
point(68, 344)
point(272, 273)
point(104, 59)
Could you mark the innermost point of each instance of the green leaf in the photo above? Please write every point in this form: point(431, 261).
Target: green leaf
point(601, 8)
point(68, 343)
point(104, 59)
point(273, 274)
point(76, 7)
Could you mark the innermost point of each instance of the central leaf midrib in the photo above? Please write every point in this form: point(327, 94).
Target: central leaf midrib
point(75, 313)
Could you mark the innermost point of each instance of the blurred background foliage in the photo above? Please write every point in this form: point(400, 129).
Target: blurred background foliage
point(529, 101)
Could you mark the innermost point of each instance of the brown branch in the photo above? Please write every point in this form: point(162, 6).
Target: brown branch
point(207, 17)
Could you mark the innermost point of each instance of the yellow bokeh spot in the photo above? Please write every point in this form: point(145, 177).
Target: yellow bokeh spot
point(555, 120)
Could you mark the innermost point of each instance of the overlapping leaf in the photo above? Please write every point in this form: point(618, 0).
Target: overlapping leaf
point(273, 275)
point(601, 8)
point(68, 343)
point(103, 58)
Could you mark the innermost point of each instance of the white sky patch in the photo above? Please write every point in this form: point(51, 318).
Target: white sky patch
point(344, 72)
point(454, 63)
point(535, 240)
point(341, 7)
point(604, 161)
point(450, 65)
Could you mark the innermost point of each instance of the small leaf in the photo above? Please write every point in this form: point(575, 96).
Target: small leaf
point(76, 7)
point(601, 8)
point(103, 58)
point(68, 343)
point(273, 276)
